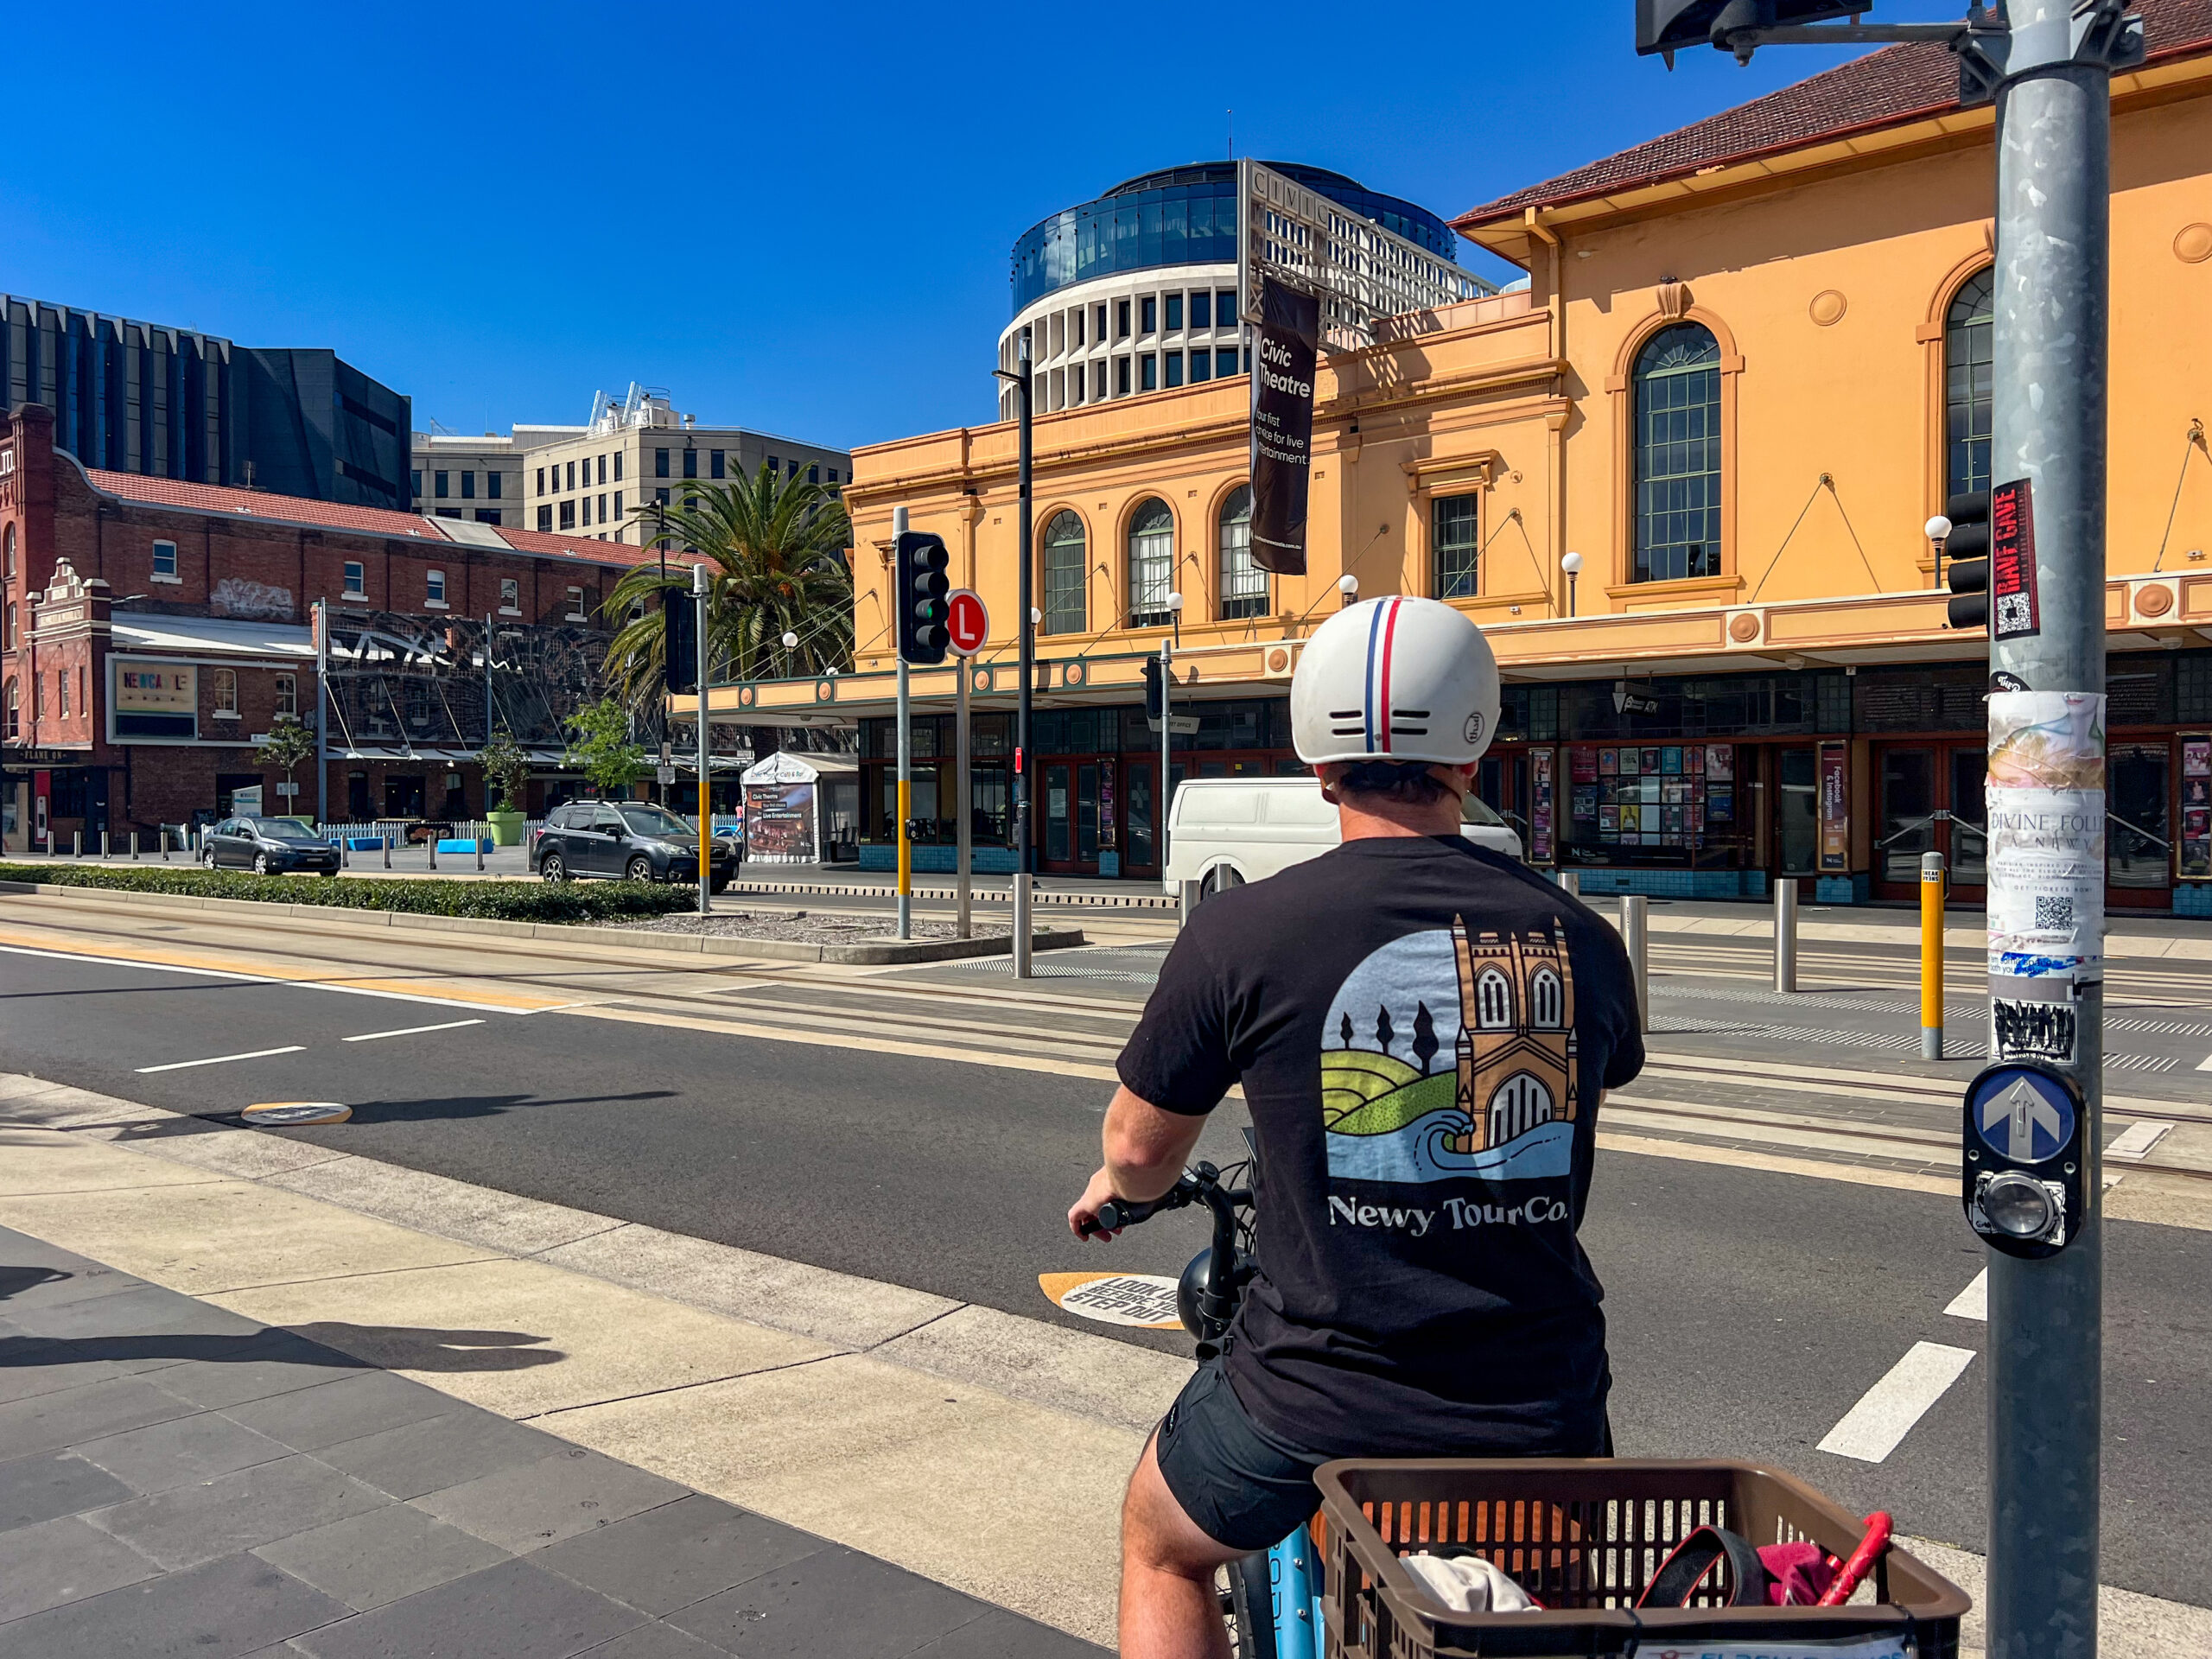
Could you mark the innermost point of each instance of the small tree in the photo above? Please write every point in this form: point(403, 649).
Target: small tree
point(1384, 1032)
point(506, 768)
point(600, 746)
point(1424, 1036)
point(289, 745)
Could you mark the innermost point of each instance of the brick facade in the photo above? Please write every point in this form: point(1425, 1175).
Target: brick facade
point(76, 544)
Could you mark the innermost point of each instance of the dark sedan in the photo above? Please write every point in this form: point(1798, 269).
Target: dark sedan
point(626, 839)
point(267, 847)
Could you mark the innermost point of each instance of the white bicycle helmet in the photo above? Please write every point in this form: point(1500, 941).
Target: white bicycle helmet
point(1394, 679)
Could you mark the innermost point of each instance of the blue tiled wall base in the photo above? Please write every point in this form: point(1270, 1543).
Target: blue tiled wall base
point(1677, 884)
point(938, 860)
point(2193, 899)
point(1843, 889)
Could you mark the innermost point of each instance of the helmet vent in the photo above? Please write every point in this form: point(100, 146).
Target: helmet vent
point(1345, 714)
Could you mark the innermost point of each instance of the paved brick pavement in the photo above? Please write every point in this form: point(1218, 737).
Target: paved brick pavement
point(177, 1479)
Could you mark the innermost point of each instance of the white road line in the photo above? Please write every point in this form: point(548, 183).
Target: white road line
point(1870, 1431)
point(2205, 1064)
point(223, 1059)
point(412, 1031)
point(2136, 1141)
point(274, 979)
point(1973, 1302)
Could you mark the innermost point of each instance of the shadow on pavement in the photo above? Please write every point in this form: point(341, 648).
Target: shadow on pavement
point(337, 1343)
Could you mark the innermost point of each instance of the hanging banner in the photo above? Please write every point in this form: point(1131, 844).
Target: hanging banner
point(1282, 425)
point(1835, 808)
point(2046, 793)
point(2013, 612)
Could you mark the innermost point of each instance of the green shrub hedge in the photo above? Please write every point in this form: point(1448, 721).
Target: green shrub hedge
point(503, 901)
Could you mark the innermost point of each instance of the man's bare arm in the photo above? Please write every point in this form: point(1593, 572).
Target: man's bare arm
point(1146, 1149)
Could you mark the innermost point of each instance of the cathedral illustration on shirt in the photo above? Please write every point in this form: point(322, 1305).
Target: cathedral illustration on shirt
point(1451, 1053)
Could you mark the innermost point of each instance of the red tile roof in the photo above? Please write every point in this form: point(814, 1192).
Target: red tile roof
point(1885, 88)
point(337, 515)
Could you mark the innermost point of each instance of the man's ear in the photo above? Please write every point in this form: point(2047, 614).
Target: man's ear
point(1328, 773)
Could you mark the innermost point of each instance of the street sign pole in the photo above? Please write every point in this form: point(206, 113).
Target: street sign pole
point(905, 767)
point(2053, 189)
point(323, 713)
point(1165, 794)
point(961, 917)
point(706, 799)
point(1024, 763)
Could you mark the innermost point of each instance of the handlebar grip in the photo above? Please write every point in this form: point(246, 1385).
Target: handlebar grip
point(1117, 1213)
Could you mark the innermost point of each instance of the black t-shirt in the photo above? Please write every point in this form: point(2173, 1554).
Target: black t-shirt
point(1422, 1030)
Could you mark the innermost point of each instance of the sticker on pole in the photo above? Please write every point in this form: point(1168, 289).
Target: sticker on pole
point(967, 621)
point(1143, 1300)
point(296, 1113)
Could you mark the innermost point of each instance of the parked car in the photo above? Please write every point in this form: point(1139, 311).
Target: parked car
point(267, 847)
point(1224, 832)
point(626, 839)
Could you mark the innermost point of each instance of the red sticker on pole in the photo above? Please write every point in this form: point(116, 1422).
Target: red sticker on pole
point(2013, 612)
point(966, 620)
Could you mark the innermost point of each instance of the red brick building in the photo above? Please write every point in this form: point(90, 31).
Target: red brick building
point(155, 628)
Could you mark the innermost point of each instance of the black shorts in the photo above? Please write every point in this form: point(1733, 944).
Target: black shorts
point(1245, 1487)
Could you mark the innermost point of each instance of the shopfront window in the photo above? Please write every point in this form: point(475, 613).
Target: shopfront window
point(1662, 804)
point(1678, 455)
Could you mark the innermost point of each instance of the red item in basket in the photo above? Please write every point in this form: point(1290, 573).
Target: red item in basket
point(1800, 1573)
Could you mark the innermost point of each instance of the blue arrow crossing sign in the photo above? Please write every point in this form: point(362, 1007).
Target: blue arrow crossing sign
point(2022, 1114)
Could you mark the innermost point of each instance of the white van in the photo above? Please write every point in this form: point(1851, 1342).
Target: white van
point(1224, 832)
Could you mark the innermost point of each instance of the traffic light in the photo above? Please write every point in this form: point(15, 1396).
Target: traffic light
point(919, 598)
point(679, 621)
point(1966, 551)
point(1668, 25)
point(1156, 690)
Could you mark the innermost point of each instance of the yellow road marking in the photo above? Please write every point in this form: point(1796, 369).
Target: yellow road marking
point(198, 962)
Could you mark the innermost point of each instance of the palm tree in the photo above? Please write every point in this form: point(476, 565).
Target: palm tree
point(775, 551)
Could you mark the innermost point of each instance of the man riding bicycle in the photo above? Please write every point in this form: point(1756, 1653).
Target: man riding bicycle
point(1423, 1031)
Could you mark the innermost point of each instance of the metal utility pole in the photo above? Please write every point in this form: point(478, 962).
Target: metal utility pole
point(2054, 190)
point(1165, 795)
point(322, 714)
point(706, 799)
point(905, 767)
point(1023, 762)
point(963, 908)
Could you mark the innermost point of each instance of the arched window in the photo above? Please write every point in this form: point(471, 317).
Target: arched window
point(1064, 573)
point(1493, 1000)
point(8, 555)
point(227, 691)
point(1968, 370)
point(1243, 584)
point(1152, 564)
point(12, 641)
point(1678, 455)
point(1547, 1001)
point(1522, 1102)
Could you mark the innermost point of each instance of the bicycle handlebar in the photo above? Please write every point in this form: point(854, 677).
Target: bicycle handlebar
point(1117, 1213)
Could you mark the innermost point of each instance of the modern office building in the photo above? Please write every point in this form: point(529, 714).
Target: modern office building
point(633, 454)
point(1137, 290)
point(144, 398)
point(460, 475)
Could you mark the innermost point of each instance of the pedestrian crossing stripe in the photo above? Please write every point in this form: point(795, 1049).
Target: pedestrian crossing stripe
point(1145, 1300)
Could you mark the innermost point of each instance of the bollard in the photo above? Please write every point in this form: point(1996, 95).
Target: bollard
point(387, 849)
point(431, 842)
point(1931, 955)
point(345, 852)
point(161, 835)
point(103, 843)
point(1785, 934)
point(478, 840)
point(76, 843)
point(134, 846)
point(1635, 935)
point(1571, 880)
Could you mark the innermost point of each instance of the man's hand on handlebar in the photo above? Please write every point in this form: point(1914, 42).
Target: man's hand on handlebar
point(1083, 1214)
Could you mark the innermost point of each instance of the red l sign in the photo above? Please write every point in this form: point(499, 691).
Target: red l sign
point(967, 621)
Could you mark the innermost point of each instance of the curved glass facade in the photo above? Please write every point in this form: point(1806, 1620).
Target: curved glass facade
point(1185, 216)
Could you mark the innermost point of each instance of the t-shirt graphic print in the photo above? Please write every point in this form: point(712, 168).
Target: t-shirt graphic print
point(1449, 1054)
point(1423, 1032)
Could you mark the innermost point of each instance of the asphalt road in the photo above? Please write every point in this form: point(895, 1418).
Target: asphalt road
point(1749, 1310)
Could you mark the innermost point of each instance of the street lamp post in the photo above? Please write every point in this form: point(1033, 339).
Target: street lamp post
point(1347, 591)
point(1571, 563)
point(1938, 530)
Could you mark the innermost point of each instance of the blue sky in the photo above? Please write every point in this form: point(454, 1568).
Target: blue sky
point(794, 218)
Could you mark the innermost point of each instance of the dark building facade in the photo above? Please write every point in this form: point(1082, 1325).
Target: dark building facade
point(131, 397)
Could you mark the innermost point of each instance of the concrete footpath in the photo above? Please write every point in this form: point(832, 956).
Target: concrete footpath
point(176, 1478)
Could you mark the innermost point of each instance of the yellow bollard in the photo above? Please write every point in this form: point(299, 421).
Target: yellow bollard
point(905, 844)
point(1931, 955)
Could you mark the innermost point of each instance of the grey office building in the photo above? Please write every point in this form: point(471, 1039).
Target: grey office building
point(134, 396)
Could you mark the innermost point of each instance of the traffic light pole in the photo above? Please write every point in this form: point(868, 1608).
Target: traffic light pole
point(706, 798)
point(906, 769)
point(1165, 794)
point(1024, 763)
point(2053, 188)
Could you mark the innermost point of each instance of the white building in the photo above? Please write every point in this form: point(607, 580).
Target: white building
point(458, 475)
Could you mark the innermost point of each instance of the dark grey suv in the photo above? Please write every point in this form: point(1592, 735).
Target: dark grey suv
point(626, 839)
point(267, 847)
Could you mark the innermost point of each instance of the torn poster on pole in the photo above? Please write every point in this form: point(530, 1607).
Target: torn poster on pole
point(2046, 798)
point(1282, 425)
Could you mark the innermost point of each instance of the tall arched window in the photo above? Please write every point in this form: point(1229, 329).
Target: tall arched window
point(1968, 370)
point(8, 555)
point(15, 712)
point(1493, 1002)
point(1064, 570)
point(1678, 455)
point(1546, 1003)
point(1521, 1104)
point(1243, 584)
point(1152, 563)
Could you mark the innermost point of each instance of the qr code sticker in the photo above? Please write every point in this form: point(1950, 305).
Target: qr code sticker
point(2055, 914)
point(2011, 613)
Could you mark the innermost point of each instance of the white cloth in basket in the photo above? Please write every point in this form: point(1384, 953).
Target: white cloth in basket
point(1468, 1584)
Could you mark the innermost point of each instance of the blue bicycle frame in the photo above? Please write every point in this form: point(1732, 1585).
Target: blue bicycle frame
point(1294, 1599)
